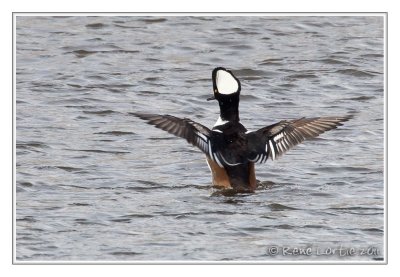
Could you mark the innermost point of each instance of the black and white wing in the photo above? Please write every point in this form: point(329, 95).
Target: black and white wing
point(274, 140)
point(195, 133)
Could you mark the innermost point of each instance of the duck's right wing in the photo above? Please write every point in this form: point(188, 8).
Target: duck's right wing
point(195, 133)
point(274, 140)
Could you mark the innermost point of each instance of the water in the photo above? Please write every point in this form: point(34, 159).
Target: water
point(94, 183)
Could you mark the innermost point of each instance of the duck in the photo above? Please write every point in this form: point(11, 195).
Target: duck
point(231, 150)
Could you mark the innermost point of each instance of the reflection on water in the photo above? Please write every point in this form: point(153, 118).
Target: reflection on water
point(95, 183)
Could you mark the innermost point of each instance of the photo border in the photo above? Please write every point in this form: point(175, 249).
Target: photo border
point(210, 262)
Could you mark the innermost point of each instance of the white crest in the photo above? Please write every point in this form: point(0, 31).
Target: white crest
point(226, 84)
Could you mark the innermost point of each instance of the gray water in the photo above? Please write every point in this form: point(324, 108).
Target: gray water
point(94, 183)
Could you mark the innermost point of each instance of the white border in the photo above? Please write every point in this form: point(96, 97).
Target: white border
point(195, 262)
point(298, 270)
point(168, 14)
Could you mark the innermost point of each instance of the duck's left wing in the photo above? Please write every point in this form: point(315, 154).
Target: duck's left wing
point(195, 133)
point(274, 140)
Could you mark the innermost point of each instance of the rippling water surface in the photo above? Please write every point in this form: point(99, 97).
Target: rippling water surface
point(94, 183)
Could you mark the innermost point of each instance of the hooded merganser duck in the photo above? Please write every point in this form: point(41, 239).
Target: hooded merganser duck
point(230, 149)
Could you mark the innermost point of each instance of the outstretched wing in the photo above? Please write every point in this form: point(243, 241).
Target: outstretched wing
point(274, 140)
point(195, 133)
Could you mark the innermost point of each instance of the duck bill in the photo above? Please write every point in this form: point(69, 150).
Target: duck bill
point(211, 98)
